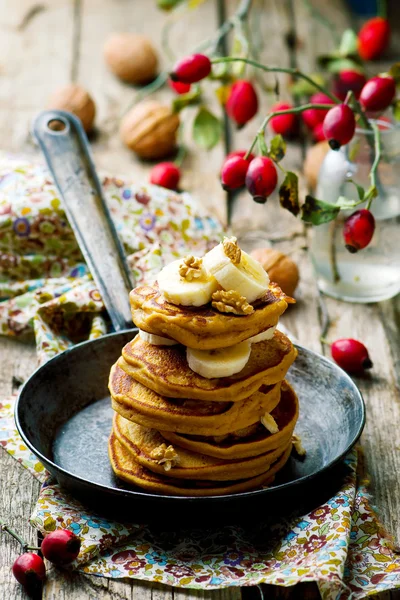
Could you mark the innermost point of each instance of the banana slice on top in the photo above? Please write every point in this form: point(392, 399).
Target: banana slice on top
point(222, 362)
point(180, 289)
point(155, 340)
point(236, 270)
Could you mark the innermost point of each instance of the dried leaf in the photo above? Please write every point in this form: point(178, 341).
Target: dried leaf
point(277, 148)
point(317, 212)
point(289, 193)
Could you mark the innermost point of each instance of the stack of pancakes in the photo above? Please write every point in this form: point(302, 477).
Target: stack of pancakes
point(176, 432)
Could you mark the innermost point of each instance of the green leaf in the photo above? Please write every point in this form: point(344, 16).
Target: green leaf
point(183, 100)
point(289, 193)
point(335, 64)
point(168, 4)
point(348, 43)
point(261, 144)
point(206, 129)
point(362, 539)
point(394, 72)
point(345, 203)
point(304, 88)
point(277, 149)
point(317, 212)
point(360, 189)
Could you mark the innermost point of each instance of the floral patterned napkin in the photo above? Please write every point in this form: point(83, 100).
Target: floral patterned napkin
point(45, 289)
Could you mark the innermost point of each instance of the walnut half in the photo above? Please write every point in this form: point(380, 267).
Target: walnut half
point(232, 250)
point(165, 456)
point(231, 302)
point(191, 268)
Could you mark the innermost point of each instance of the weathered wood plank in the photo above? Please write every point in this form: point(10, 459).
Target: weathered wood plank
point(36, 57)
point(18, 489)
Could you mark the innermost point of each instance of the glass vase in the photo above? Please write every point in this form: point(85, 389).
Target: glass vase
point(372, 274)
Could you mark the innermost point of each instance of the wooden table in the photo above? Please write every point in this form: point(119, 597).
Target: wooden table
point(43, 45)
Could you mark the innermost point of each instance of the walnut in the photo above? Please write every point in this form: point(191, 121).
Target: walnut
point(149, 129)
point(191, 268)
point(232, 249)
point(77, 100)
point(231, 302)
point(280, 268)
point(131, 57)
point(298, 446)
point(269, 423)
point(165, 456)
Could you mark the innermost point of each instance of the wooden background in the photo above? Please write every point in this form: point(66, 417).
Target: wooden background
point(49, 43)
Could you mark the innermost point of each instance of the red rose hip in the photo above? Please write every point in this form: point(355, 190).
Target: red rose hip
point(191, 69)
point(241, 153)
point(339, 126)
point(233, 174)
point(178, 87)
point(351, 355)
point(358, 230)
point(242, 102)
point(61, 547)
point(165, 174)
point(283, 124)
point(373, 38)
point(261, 178)
point(29, 570)
point(313, 116)
point(349, 81)
point(378, 93)
point(318, 133)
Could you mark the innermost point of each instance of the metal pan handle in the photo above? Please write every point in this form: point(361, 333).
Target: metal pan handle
point(66, 150)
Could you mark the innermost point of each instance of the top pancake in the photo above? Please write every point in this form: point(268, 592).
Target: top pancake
point(164, 369)
point(204, 327)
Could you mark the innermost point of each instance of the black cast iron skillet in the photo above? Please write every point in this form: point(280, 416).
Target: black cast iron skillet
point(63, 412)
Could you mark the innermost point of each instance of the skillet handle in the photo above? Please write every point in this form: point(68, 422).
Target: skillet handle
point(66, 150)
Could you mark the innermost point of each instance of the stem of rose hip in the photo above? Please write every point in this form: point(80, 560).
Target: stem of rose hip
point(14, 534)
point(289, 71)
point(288, 111)
point(373, 171)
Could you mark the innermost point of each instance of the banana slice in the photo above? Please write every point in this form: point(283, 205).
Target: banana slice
point(268, 334)
point(156, 340)
point(178, 290)
point(222, 362)
point(247, 277)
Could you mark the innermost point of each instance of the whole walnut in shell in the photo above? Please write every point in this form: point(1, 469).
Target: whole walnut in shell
point(149, 129)
point(131, 57)
point(280, 268)
point(75, 99)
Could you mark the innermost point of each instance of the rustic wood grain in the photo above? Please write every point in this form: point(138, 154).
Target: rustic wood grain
point(64, 39)
point(18, 489)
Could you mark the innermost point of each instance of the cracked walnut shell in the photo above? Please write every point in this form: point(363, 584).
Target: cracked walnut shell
point(149, 129)
point(280, 268)
point(131, 57)
point(75, 99)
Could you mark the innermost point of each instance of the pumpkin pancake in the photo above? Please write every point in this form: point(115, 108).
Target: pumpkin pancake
point(126, 468)
point(150, 450)
point(204, 327)
point(259, 441)
point(164, 369)
point(138, 403)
